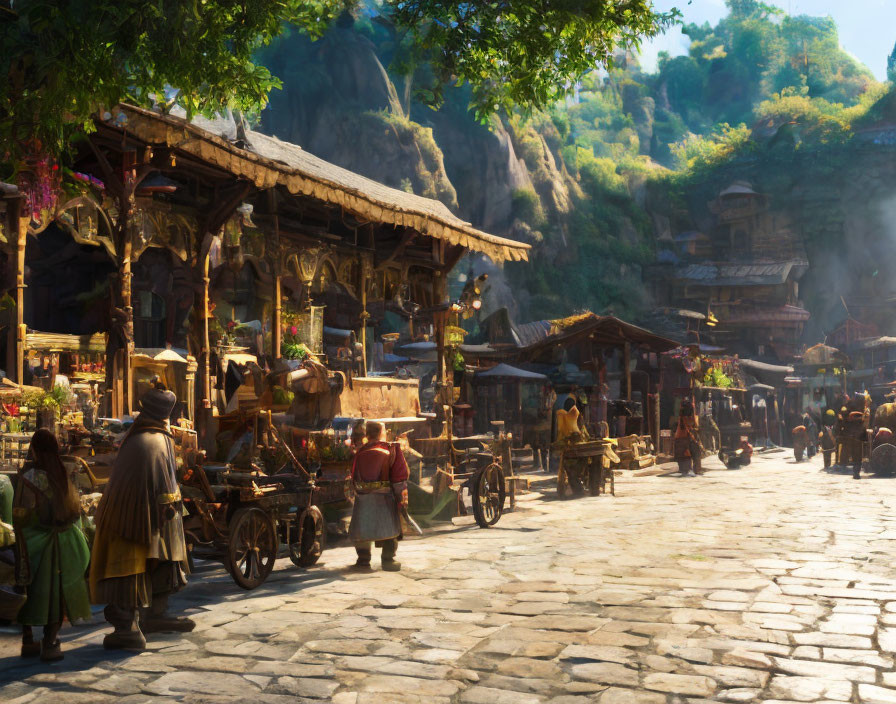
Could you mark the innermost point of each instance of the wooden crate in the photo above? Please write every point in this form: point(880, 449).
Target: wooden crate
point(14, 448)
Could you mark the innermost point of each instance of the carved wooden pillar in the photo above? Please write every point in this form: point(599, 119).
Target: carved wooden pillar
point(205, 364)
point(277, 317)
point(440, 297)
point(19, 229)
point(366, 267)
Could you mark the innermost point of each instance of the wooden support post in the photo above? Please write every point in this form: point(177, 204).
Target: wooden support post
point(205, 364)
point(20, 222)
point(440, 297)
point(365, 315)
point(277, 322)
point(127, 306)
point(626, 360)
point(276, 259)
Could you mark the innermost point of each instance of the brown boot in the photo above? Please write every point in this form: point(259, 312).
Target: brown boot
point(125, 640)
point(156, 618)
point(30, 649)
point(127, 634)
point(51, 652)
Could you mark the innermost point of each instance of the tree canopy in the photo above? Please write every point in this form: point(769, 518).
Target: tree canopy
point(62, 60)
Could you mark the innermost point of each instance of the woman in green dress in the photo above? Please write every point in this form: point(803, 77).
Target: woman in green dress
point(53, 554)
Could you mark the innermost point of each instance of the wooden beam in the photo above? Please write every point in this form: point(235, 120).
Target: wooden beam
point(453, 256)
point(406, 239)
point(113, 183)
point(229, 203)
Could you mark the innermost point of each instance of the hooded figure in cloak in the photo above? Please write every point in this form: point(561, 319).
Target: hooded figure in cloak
point(139, 552)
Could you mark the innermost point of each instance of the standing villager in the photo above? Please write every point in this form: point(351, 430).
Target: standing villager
point(851, 432)
point(826, 436)
point(800, 435)
point(379, 477)
point(139, 553)
point(687, 448)
point(52, 552)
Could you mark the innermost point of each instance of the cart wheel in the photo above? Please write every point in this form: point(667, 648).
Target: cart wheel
point(311, 538)
point(488, 495)
point(252, 547)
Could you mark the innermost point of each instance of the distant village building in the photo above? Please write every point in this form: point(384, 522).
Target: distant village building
point(746, 272)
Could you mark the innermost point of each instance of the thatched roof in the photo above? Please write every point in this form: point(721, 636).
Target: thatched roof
point(604, 330)
point(823, 355)
point(269, 162)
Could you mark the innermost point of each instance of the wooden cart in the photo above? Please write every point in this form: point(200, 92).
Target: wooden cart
point(488, 476)
point(586, 459)
point(244, 518)
point(479, 465)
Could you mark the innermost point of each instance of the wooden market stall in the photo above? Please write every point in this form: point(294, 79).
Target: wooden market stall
point(224, 239)
point(613, 363)
point(513, 395)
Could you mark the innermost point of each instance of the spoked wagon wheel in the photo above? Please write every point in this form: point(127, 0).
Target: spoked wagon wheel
point(311, 532)
point(252, 547)
point(488, 492)
point(883, 460)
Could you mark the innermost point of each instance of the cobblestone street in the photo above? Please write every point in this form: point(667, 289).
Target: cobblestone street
point(776, 582)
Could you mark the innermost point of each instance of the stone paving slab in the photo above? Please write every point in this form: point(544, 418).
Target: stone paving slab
point(775, 583)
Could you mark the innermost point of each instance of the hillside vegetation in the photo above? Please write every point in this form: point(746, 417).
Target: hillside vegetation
point(630, 156)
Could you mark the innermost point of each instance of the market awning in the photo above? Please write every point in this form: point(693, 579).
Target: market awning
point(267, 162)
point(505, 371)
point(766, 367)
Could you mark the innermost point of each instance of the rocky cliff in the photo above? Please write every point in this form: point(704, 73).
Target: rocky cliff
point(629, 162)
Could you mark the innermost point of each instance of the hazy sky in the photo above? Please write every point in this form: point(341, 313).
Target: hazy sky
point(867, 27)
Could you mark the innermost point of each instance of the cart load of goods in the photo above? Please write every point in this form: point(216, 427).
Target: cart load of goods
point(634, 452)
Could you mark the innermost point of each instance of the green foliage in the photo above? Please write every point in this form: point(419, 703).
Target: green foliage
point(64, 60)
point(527, 207)
point(53, 400)
point(891, 66)
point(716, 377)
point(702, 153)
point(758, 51)
point(525, 54)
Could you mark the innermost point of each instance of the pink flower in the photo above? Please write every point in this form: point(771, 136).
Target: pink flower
point(293, 330)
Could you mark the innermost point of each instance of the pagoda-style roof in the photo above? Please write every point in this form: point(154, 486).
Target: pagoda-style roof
point(758, 274)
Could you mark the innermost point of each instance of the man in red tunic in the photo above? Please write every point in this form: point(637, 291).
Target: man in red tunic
point(379, 476)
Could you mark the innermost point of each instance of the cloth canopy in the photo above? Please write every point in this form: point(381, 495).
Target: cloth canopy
point(508, 372)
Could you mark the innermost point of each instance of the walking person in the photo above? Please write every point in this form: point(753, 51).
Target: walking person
point(379, 477)
point(687, 448)
point(52, 552)
point(139, 552)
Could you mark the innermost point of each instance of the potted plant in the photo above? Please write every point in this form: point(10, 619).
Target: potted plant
point(48, 405)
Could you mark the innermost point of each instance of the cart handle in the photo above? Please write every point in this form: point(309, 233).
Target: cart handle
point(286, 447)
